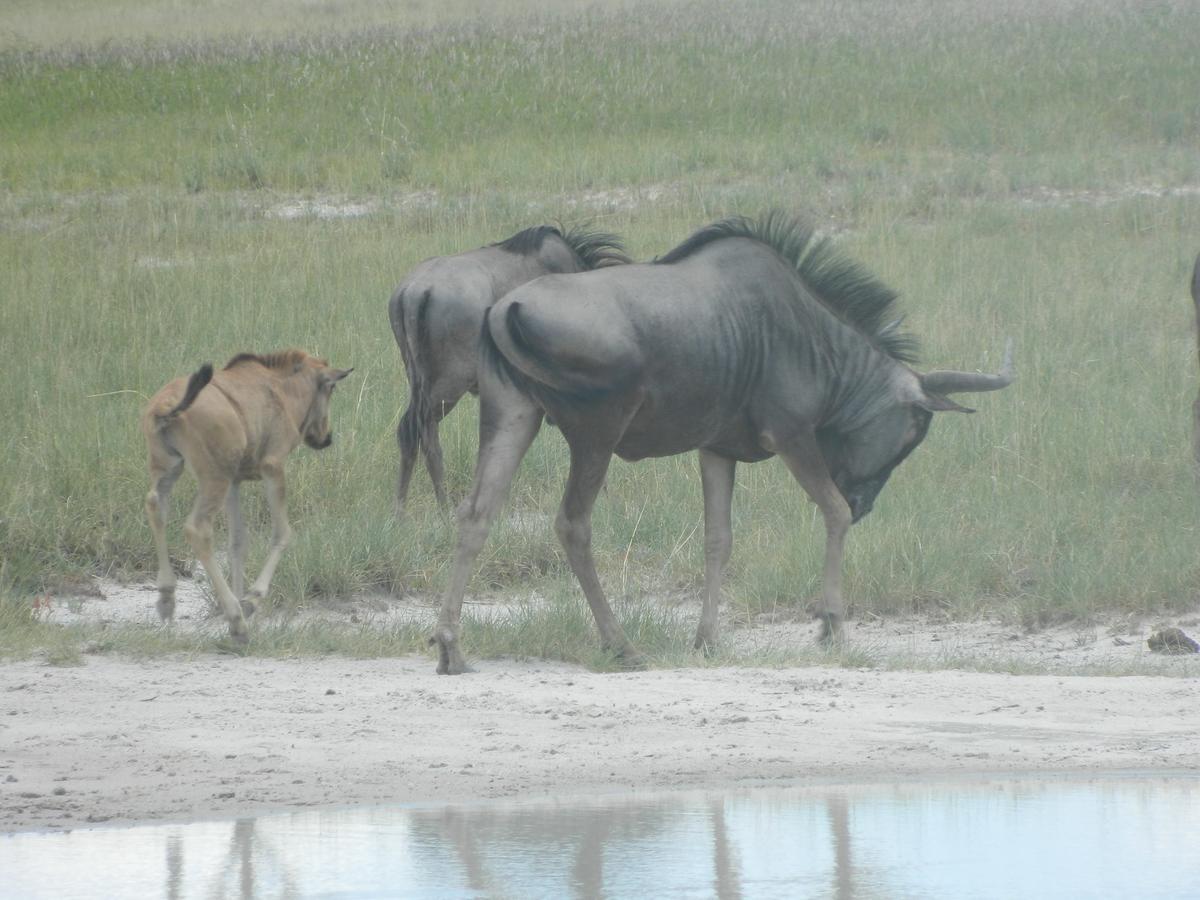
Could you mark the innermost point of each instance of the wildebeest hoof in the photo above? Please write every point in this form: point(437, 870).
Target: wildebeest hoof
point(630, 659)
point(831, 633)
point(450, 658)
point(706, 642)
point(166, 604)
point(240, 638)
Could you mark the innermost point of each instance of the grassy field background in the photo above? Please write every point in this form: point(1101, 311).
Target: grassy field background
point(174, 189)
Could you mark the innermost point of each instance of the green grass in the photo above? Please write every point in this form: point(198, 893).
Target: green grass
point(987, 164)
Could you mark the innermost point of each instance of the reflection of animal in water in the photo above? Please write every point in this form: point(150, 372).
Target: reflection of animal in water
point(568, 844)
point(749, 340)
point(231, 426)
point(727, 876)
point(1196, 404)
point(843, 863)
point(249, 857)
point(437, 311)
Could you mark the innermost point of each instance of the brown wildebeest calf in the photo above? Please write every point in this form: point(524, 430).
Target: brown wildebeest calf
point(231, 426)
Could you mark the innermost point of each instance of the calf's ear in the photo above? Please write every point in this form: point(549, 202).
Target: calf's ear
point(333, 376)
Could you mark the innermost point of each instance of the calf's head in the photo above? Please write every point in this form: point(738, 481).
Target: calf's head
point(322, 379)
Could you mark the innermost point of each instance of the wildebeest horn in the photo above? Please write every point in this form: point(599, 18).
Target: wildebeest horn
point(949, 382)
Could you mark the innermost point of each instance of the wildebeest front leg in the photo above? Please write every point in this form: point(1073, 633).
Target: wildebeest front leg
point(804, 459)
point(716, 475)
point(199, 531)
point(508, 423)
point(589, 464)
point(164, 473)
point(281, 532)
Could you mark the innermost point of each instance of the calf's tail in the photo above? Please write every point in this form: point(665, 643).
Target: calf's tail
point(196, 383)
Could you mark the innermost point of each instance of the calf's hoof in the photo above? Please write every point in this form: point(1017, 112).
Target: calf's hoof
point(706, 641)
point(250, 603)
point(450, 658)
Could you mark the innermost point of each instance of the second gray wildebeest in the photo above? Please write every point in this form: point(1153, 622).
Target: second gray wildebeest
point(235, 425)
point(749, 340)
point(436, 315)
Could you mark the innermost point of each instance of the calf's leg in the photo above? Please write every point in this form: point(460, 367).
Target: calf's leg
point(237, 544)
point(281, 531)
point(199, 531)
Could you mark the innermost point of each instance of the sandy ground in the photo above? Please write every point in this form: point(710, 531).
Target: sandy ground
point(118, 740)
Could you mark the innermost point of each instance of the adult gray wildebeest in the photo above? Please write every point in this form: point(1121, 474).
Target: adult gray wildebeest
point(1196, 404)
point(231, 426)
point(437, 312)
point(751, 339)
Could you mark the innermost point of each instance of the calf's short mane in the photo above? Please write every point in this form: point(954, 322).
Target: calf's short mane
point(844, 287)
point(283, 361)
point(594, 248)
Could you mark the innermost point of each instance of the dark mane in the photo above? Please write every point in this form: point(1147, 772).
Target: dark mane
point(282, 361)
point(594, 248)
point(843, 286)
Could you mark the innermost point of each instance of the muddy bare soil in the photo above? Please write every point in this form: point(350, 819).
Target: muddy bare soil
point(120, 741)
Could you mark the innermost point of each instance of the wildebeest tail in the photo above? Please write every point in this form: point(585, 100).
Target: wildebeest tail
point(196, 383)
point(410, 324)
point(510, 349)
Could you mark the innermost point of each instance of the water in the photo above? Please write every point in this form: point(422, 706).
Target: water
point(1121, 837)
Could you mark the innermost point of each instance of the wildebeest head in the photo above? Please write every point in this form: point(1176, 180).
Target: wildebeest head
point(862, 459)
point(315, 429)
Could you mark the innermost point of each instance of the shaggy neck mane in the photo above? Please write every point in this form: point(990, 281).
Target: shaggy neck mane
point(594, 248)
point(283, 361)
point(842, 286)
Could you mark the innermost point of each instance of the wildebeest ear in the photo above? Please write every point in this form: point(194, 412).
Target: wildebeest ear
point(333, 376)
point(938, 403)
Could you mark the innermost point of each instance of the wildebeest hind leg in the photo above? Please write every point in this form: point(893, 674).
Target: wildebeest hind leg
point(589, 464)
point(431, 446)
point(716, 475)
point(407, 439)
point(806, 463)
point(508, 423)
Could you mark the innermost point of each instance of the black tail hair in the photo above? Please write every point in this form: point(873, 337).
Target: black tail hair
point(414, 350)
point(196, 383)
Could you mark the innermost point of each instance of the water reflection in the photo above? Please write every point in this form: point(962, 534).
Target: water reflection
point(996, 839)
